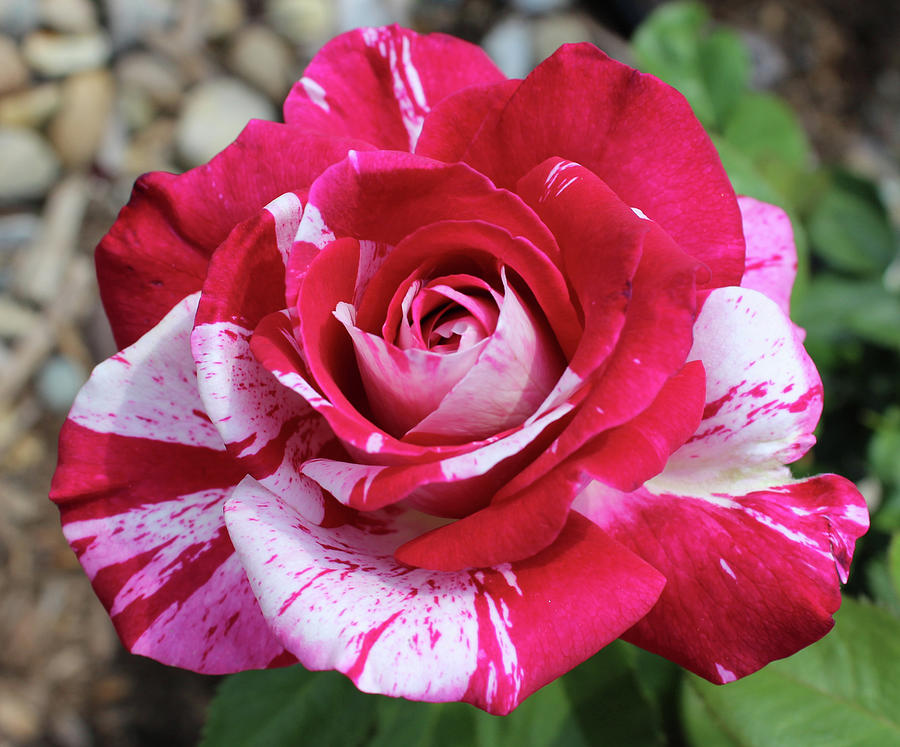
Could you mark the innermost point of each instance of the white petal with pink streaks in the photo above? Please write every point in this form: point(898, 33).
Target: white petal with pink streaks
point(771, 262)
point(249, 406)
point(149, 390)
point(763, 399)
point(337, 599)
point(207, 627)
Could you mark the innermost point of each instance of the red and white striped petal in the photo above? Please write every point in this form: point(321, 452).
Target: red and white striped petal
point(264, 425)
point(750, 577)
point(763, 399)
point(369, 487)
point(379, 83)
point(141, 483)
point(338, 600)
point(157, 251)
point(771, 263)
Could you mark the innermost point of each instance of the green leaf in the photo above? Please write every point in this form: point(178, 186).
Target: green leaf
point(893, 563)
point(599, 702)
point(725, 67)
point(745, 177)
point(851, 232)
point(764, 129)
point(836, 311)
point(884, 447)
point(842, 692)
point(702, 724)
point(288, 706)
point(609, 702)
point(667, 44)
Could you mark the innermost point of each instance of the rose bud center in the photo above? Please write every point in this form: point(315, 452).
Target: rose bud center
point(459, 358)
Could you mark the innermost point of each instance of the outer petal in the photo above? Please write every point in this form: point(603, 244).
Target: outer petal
point(158, 249)
point(141, 482)
point(658, 318)
point(269, 428)
point(763, 399)
point(379, 83)
point(339, 600)
point(452, 124)
point(750, 578)
point(611, 123)
point(771, 263)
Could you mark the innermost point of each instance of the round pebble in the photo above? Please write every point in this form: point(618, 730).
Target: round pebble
point(59, 381)
point(70, 16)
point(28, 165)
point(260, 56)
point(55, 55)
point(214, 114)
point(78, 128)
point(13, 72)
point(510, 45)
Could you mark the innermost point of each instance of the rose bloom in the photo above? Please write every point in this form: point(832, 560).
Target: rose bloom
point(449, 381)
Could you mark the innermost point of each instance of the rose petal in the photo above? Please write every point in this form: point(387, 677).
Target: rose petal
point(378, 84)
point(153, 540)
point(157, 250)
point(517, 524)
point(451, 125)
point(611, 123)
point(450, 484)
point(763, 398)
point(771, 264)
point(426, 376)
point(750, 577)
point(267, 427)
point(497, 245)
point(514, 371)
point(658, 327)
point(490, 637)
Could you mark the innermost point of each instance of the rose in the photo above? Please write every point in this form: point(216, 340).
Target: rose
point(450, 381)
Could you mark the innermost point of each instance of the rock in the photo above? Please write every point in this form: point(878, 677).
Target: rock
point(222, 18)
point(55, 55)
point(151, 149)
point(28, 165)
point(130, 20)
point(30, 108)
point(551, 32)
point(305, 22)
point(13, 72)
point(540, 6)
point(77, 129)
point(510, 45)
point(58, 382)
point(18, 17)
point(68, 16)
point(356, 13)
point(40, 271)
point(261, 58)
point(18, 229)
point(213, 115)
point(135, 107)
point(153, 75)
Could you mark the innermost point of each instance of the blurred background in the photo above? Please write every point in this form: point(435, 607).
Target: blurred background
point(94, 93)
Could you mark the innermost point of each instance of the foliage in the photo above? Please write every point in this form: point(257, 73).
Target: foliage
point(841, 691)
